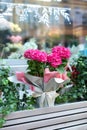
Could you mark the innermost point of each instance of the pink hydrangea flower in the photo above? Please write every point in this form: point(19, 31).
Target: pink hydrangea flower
point(36, 55)
point(54, 60)
point(39, 59)
point(61, 51)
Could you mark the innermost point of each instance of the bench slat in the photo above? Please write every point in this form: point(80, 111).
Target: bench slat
point(32, 125)
point(51, 121)
point(39, 111)
point(80, 127)
point(47, 116)
point(68, 125)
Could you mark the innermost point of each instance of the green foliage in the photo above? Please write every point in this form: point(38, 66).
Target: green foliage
point(35, 68)
point(76, 93)
point(61, 68)
point(79, 72)
point(9, 96)
point(78, 77)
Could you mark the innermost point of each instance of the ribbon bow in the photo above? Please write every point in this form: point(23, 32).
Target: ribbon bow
point(46, 98)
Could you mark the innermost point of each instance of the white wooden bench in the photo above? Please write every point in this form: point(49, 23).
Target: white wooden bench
point(71, 116)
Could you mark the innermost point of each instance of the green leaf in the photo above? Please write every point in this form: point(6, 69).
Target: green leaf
point(60, 69)
point(2, 121)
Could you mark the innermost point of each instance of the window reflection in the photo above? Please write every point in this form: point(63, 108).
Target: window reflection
point(41, 25)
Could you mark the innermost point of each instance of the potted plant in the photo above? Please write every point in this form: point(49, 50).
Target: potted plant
point(76, 93)
point(46, 71)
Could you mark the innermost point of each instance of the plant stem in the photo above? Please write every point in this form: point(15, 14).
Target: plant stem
point(43, 84)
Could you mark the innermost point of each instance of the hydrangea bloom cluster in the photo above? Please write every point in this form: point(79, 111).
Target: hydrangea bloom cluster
point(40, 59)
point(36, 55)
point(63, 52)
point(54, 60)
point(58, 54)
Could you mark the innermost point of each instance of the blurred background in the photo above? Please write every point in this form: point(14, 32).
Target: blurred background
point(42, 24)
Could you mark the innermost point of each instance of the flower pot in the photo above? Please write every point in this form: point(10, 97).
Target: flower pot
point(45, 95)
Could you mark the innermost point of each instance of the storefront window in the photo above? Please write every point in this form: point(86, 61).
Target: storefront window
point(41, 24)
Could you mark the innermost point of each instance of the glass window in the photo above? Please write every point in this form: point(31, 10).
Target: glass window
point(41, 24)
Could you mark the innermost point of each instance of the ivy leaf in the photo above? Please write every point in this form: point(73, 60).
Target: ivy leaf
point(2, 121)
